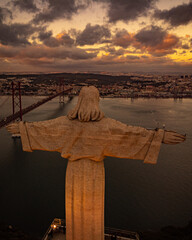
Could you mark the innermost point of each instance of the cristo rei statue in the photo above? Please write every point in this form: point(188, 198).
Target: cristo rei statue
point(85, 136)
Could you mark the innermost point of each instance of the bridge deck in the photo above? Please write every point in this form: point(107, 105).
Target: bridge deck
point(13, 117)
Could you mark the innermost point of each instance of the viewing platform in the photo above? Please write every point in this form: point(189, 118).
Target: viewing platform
point(57, 230)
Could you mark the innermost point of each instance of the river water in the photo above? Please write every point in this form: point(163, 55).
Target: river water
point(138, 196)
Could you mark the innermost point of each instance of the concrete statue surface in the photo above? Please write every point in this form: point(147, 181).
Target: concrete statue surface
point(85, 137)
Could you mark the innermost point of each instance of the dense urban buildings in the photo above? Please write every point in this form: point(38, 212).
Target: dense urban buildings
point(130, 85)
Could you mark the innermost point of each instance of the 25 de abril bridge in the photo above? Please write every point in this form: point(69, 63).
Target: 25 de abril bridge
point(18, 111)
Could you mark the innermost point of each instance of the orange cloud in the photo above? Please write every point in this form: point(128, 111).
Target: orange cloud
point(123, 40)
point(60, 35)
point(154, 41)
point(167, 46)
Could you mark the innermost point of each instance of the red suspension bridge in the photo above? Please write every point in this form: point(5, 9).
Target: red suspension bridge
point(17, 103)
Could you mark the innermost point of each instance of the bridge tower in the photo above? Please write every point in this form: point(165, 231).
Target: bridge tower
point(61, 89)
point(16, 100)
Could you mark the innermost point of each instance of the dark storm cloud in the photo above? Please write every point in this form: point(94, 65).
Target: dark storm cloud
point(92, 34)
point(150, 36)
point(45, 35)
point(25, 5)
point(60, 53)
point(50, 41)
point(185, 46)
point(8, 52)
point(127, 10)
point(156, 41)
point(67, 40)
point(180, 15)
point(41, 52)
point(16, 34)
point(4, 13)
point(132, 57)
point(122, 38)
point(59, 9)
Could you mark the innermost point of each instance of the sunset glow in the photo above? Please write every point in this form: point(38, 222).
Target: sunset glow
point(88, 35)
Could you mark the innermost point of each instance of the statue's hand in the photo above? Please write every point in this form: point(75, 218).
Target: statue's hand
point(13, 128)
point(173, 137)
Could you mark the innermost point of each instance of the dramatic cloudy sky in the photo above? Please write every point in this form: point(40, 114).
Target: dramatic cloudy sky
point(95, 35)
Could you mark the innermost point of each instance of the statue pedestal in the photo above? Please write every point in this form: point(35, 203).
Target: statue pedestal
point(85, 180)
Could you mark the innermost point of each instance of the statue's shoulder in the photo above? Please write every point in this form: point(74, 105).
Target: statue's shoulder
point(117, 127)
point(61, 120)
point(113, 122)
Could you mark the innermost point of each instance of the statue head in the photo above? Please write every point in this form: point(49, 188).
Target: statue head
point(87, 108)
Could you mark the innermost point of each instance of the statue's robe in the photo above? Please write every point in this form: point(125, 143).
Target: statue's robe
point(86, 144)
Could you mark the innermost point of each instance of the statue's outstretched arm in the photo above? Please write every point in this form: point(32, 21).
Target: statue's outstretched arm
point(41, 135)
point(171, 137)
point(13, 128)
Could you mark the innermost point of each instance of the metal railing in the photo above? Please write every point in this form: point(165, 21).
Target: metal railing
point(110, 233)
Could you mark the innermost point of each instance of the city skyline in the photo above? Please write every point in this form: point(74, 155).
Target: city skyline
point(96, 36)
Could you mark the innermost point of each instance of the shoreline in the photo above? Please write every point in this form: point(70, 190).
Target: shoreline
point(104, 96)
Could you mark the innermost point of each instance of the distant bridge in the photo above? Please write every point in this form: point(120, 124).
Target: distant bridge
point(17, 115)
